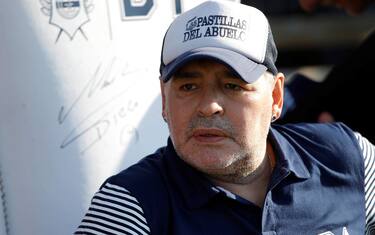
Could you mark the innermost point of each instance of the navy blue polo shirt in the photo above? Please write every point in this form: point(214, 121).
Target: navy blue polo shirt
point(317, 187)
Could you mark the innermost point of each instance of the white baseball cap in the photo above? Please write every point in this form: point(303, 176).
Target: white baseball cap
point(231, 33)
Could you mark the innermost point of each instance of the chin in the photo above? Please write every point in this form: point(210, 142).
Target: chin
point(208, 160)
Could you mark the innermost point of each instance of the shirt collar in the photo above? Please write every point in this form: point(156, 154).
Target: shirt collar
point(286, 155)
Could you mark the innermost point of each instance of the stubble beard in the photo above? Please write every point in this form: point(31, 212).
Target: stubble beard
point(242, 166)
point(242, 169)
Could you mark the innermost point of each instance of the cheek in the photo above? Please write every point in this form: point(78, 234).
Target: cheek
point(178, 121)
point(250, 120)
point(253, 120)
point(258, 107)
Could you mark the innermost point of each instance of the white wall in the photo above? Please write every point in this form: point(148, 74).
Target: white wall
point(79, 101)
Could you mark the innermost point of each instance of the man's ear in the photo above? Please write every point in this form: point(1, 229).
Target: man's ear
point(163, 100)
point(278, 95)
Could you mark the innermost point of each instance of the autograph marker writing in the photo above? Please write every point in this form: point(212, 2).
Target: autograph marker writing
point(96, 128)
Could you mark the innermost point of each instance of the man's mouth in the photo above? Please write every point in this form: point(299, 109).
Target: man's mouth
point(209, 135)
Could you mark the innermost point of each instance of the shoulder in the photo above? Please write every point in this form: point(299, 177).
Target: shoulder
point(328, 133)
point(147, 171)
point(132, 202)
point(333, 145)
point(147, 182)
point(114, 210)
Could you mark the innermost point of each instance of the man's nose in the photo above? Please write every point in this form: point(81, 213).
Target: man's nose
point(210, 104)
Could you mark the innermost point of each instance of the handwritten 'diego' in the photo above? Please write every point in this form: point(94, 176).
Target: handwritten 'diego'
point(99, 128)
point(106, 115)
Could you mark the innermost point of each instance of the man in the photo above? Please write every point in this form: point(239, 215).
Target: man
point(309, 101)
point(225, 170)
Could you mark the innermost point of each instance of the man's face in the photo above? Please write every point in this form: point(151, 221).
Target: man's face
point(351, 6)
point(217, 122)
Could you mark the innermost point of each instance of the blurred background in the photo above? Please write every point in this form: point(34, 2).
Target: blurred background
point(314, 40)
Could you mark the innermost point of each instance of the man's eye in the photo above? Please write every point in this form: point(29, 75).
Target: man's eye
point(188, 87)
point(232, 86)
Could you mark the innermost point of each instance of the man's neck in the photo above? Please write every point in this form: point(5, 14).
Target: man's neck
point(255, 189)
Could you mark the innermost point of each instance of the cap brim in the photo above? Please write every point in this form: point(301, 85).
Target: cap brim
point(246, 69)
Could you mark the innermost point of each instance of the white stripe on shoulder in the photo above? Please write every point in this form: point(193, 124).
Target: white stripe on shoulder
point(121, 220)
point(135, 218)
point(106, 223)
point(86, 231)
point(121, 208)
point(133, 203)
point(108, 185)
point(113, 192)
point(114, 210)
point(368, 151)
point(97, 228)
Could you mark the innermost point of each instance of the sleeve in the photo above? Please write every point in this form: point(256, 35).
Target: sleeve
point(113, 210)
point(368, 151)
